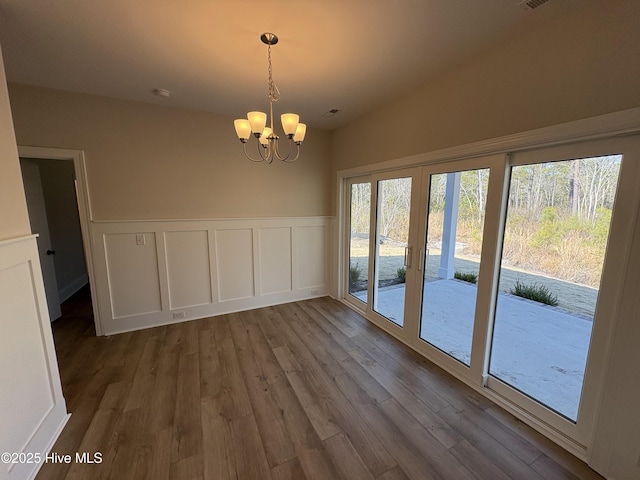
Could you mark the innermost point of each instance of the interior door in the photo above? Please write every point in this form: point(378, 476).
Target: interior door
point(40, 225)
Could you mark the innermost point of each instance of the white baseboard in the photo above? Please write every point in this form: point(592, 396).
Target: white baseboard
point(72, 287)
point(49, 447)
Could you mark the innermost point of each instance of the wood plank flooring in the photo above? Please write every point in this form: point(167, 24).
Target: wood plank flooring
point(307, 390)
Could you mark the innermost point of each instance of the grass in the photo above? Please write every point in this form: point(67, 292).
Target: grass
point(470, 277)
point(535, 292)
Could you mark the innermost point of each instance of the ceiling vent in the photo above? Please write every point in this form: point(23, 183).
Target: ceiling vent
point(532, 4)
point(330, 113)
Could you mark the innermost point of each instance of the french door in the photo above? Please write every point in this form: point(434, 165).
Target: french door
point(389, 242)
point(458, 249)
point(505, 270)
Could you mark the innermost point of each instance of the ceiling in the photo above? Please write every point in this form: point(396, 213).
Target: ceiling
point(352, 55)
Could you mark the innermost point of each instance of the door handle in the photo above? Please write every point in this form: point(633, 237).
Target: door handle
point(407, 257)
point(51, 252)
point(420, 259)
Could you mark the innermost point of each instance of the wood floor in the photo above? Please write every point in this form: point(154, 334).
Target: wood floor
point(307, 390)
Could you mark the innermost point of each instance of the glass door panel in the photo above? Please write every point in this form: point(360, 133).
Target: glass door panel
point(455, 224)
point(555, 238)
point(392, 252)
point(360, 226)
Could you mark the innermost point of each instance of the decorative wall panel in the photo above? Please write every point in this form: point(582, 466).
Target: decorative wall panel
point(132, 269)
point(188, 268)
point(152, 273)
point(275, 260)
point(311, 256)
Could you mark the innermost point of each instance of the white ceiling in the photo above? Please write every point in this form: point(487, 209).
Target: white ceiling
point(347, 54)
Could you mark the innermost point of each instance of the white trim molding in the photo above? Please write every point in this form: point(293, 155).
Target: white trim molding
point(72, 287)
point(33, 407)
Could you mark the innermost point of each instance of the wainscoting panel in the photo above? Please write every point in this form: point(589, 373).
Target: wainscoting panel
point(312, 265)
point(188, 269)
point(234, 256)
point(18, 297)
point(275, 260)
point(132, 260)
point(151, 273)
point(34, 412)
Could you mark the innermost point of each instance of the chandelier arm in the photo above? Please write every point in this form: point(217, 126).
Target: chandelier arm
point(277, 152)
point(246, 154)
point(287, 160)
point(268, 152)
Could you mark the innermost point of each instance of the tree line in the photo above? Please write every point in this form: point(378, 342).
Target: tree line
point(573, 188)
point(558, 220)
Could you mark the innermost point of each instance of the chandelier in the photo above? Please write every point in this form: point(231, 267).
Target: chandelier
point(256, 123)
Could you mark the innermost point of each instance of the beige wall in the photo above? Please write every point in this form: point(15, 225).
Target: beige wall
point(14, 220)
point(151, 162)
point(582, 64)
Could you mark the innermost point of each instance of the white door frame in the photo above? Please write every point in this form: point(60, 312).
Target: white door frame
point(84, 209)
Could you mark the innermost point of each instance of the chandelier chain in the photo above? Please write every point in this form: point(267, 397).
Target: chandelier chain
point(274, 92)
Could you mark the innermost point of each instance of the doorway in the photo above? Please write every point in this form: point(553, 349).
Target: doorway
point(59, 212)
point(53, 214)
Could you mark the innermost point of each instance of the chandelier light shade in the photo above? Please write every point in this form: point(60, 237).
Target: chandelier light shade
point(256, 123)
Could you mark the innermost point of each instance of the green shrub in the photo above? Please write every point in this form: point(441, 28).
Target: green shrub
point(548, 229)
point(602, 224)
point(466, 276)
point(536, 292)
point(354, 274)
point(402, 274)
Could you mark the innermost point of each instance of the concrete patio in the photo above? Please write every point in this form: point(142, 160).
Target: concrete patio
point(538, 349)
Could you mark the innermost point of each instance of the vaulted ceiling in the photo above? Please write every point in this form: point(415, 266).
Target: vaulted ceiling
point(351, 55)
